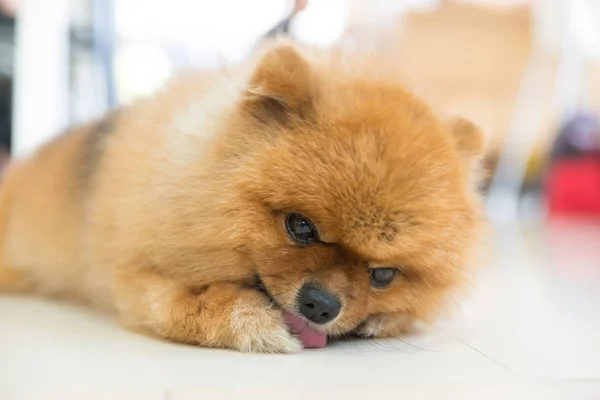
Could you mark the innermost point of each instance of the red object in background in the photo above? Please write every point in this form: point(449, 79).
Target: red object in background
point(573, 186)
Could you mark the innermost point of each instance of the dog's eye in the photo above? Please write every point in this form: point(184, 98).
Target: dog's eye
point(382, 277)
point(300, 229)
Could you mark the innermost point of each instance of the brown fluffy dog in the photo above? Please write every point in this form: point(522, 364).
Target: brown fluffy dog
point(199, 214)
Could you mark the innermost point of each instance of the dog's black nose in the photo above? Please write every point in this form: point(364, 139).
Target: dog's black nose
point(317, 305)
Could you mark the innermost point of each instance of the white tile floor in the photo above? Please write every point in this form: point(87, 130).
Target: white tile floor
point(531, 330)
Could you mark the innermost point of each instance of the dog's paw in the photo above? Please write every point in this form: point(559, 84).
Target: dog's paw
point(387, 325)
point(259, 328)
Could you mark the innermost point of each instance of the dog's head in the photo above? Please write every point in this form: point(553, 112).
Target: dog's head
point(361, 209)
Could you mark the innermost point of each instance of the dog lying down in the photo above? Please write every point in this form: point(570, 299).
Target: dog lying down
point(306, 186)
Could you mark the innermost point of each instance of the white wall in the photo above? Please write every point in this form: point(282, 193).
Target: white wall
point(41, 86)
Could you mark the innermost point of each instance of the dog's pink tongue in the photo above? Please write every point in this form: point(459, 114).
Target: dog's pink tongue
point(310, 337)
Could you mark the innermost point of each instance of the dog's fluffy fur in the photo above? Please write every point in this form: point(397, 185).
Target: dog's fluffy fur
point(168, 211)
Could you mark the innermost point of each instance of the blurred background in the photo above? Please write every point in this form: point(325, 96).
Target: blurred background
point(527, 71)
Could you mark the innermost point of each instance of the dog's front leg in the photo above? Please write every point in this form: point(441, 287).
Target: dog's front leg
point(225, 315)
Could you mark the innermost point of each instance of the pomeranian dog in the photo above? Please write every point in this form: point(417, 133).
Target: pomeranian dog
point(305, 186)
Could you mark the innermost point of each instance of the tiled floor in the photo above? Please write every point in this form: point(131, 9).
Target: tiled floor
point(531, 330)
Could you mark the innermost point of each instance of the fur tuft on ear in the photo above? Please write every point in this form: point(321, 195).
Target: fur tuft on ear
point(469, 138)
point(281, 86)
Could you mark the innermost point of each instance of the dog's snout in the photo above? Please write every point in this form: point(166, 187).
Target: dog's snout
point(317, 305)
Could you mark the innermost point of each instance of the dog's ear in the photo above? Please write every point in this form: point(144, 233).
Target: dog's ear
point(281, 87)
point(469, 139)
